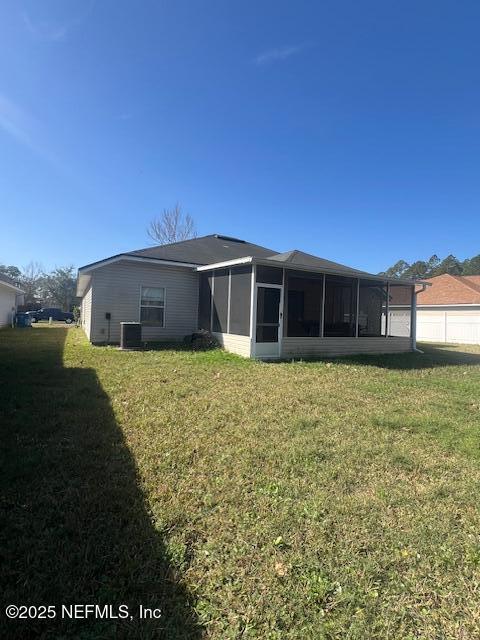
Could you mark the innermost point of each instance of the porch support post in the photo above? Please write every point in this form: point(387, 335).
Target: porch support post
point(212, 300)
point(413, 319)
point(253, 301)
point(322, 319)
point(358, 307)
point(228, 301)
point(281, 323)
point(387, 310)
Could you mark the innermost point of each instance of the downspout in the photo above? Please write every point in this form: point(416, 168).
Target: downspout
point(358, 307)
point(413, 323)
point(387, 311)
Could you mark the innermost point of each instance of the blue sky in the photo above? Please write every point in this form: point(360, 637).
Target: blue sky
point(350, 130)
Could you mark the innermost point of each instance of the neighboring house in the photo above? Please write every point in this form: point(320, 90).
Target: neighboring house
point(449, 310)
point(10, 297)
point(257, 302)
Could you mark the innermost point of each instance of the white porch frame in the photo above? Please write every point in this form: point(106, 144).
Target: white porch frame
point(254, 352)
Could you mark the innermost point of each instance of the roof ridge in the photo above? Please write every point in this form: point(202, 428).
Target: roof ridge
point(473, 280)
point(294, 256)
point(449, 289)
point(293, 253)
point(298, 252)
point(461, 280)
point(440, 275)
point(467, 283)
point(171, 244)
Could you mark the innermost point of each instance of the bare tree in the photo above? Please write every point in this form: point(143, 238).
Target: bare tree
point(31, 282)
point(172, 226)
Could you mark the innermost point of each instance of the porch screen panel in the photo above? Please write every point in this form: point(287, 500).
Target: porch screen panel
point(372, 308)
point(269, 275)
point(240, 300)
point(220, 301)
point(304, 304)
point(205, 301)
point(340, 307)
point(400, 310)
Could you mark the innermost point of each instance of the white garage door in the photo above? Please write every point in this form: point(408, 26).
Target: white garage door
point(449, 326)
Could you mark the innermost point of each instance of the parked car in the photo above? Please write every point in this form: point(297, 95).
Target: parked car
point(56, 314)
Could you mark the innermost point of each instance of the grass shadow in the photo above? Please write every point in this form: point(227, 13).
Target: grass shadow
point(76, 528)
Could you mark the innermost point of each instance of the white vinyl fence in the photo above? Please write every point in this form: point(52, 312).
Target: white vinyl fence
point(458, 324)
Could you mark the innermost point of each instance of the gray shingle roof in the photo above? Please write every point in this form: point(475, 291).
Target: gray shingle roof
point(205, 250)
point(300, 258)
point(216, 248)
point(8, 280)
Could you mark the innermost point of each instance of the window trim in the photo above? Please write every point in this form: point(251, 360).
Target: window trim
point(164, 307)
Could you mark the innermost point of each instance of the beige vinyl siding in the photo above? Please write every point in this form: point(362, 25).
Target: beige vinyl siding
point(234, 343)
point(116, 289)
point(312, 347)
point(86, 312)
point(8, 299)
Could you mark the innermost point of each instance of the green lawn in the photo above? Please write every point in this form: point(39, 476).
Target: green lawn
point(246, 500)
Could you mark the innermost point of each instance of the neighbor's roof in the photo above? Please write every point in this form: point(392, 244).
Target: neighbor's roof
point(448, 289)
point(299, 258)
point(6, 280)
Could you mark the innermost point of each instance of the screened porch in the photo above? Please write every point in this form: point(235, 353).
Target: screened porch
point(269, 311)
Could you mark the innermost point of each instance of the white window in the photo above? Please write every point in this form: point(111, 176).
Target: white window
point(152, 306)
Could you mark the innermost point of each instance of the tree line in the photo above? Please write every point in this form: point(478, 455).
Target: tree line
point(55, 288)
point(434, 266)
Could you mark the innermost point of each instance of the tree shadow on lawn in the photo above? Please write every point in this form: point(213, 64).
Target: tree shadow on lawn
point(75, 525)
point(433, 357)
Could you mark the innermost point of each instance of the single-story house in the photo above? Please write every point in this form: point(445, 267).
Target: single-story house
point(10, 297)
point(256, 302)
point(448, 310)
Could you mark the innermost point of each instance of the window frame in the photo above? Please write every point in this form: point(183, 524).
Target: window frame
point(156, 306)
